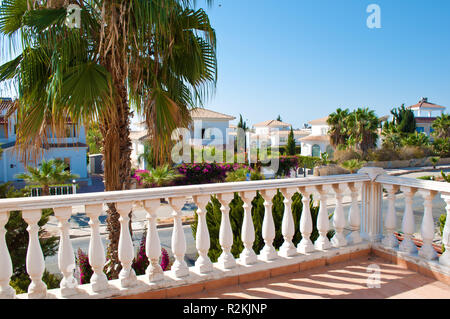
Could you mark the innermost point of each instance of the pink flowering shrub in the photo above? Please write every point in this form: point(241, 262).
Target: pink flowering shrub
point(205, 173)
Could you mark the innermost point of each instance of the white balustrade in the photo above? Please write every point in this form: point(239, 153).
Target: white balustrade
point(66, 256)
point(338, 239)
point(6, 268)
point(389, 240)
point(179, 267)
point(427, 228)
point(323, 224)
point(202, 241)
point(444, 259)
point(268, 227)
point(287, 224)
point(248, 256)
point(306, 224)
point(354, 215)
point(226, 259)
point(407, 245)
point(127, 276)
point(96, 254)
point(154, 271)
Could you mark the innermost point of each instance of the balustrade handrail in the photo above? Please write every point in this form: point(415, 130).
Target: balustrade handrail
point(414, 182)
point(175, 191)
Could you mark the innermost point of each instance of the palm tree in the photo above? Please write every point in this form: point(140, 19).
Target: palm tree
point(159, 176)
point(157, 56)
point(353, 165)
point(338, 128)
point(363, 126)
point(49, 173)
point(441, 126)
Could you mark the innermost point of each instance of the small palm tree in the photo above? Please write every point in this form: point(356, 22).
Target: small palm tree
point(353, 165)
point(49, 173)
point(434, 161)
point(159, 177)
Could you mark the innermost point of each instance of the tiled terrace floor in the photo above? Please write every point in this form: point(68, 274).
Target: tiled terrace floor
point(341, 280)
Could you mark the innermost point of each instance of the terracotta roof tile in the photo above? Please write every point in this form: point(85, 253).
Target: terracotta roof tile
point(208, 114)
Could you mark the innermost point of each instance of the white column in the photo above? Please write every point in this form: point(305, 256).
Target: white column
point(407, 245)
point(338, 239)
point(268, 227)
point(444, 259)
point(354, 215)
point(287, 224)
point(127, 276)
point(96, 255)
point(389, 240)
point(306, 225)
point(6, 268)
point(226, 259)
point(179, 267)
point(154, 271)
point(35, 259)
point(203, 264)
point(427, 228)
point(323, 224)
point(66, 256)
point(248, 256)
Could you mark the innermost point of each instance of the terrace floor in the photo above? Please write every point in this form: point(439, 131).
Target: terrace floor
point(348, 279)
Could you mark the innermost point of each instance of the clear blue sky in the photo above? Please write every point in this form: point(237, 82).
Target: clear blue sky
point(302, 59)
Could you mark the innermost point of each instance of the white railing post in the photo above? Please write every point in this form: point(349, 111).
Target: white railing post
point(203, 264)
point(35, 259)
point(66, 256)
point(268, 227)
point(179, 267)
point(407, 245)
point(96, 254)
point(154, 271)
point(338, 239)
point(371, 205)
point(427, 228)
point(323, 224)
point(444, 259)
point(226, 259)
point(306, 225)
point(389, 240)
point(287, 224)
point(6, 268)
point(354, 215)
point(127, 276)
point(248, 256)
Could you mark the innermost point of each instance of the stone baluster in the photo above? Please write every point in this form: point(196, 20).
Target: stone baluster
point(444, 259)
point(35, 259)
point(226, 259)
point(287, 224)
point(323, 224)
point(248, 256)
point(338, 239)
point(127, 276)
point(179, 267)
point(389, 240)
point(154, 271)
point(407, 245)
point(66, 256)
point(354, 215)
point(97, 258)
point(306, 225)
point(268, 227)
point(203, 264)
point(6, 269)
point(427, 228)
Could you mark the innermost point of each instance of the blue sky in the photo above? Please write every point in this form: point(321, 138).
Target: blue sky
point(302, 59)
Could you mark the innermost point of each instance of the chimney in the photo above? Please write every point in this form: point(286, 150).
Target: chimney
point(424, 100)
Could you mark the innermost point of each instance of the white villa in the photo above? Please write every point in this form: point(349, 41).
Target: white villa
point(72, 149)
point(423, 113)
point(278, 132)
point(318, 141)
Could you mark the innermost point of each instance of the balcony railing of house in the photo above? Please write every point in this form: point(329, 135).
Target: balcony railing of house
point(365, 221)
point(66, 189)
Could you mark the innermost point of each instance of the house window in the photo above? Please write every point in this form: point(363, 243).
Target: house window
point(66, 161)
point(203, 133)
point(420, 129)
point(316, 150)
point(71, 131)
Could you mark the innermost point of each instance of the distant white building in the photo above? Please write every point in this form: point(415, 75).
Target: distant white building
point(318, 141)
point(277, 132)
point(425, 114)
point(72, 149)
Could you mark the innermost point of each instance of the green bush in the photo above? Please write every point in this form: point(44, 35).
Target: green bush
point(442, 220)
point(441, 147)
point(214, 216)
point(341, 156)
point(384, 154)
point(412, 152)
